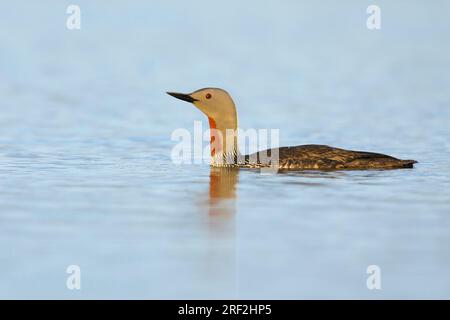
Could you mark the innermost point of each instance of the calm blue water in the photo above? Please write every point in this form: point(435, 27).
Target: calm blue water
point(86, 176)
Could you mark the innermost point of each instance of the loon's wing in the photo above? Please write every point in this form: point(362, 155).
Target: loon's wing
point(325, 157)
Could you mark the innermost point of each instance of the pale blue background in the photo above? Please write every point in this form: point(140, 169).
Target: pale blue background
point(85, 170)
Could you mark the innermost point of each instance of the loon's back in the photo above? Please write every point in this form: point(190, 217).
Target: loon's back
point(321, 157)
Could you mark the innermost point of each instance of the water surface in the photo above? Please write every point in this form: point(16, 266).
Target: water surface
point(86, 176)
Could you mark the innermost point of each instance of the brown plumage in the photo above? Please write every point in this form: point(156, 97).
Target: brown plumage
point(321, 157)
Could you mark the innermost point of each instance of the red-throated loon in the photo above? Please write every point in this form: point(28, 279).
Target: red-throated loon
point(219, 107)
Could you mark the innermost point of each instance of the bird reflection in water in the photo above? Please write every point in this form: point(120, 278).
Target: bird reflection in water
point(222, 192)
point(220, 267)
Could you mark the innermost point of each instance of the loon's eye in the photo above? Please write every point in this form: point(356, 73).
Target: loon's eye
point(208, 96)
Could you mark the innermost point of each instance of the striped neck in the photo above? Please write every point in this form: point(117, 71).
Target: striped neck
point(223, 142)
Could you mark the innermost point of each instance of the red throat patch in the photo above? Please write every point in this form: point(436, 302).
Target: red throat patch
point(212, 123)
point(214, 145)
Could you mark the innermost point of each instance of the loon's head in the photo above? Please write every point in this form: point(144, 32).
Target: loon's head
point(215, 103)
